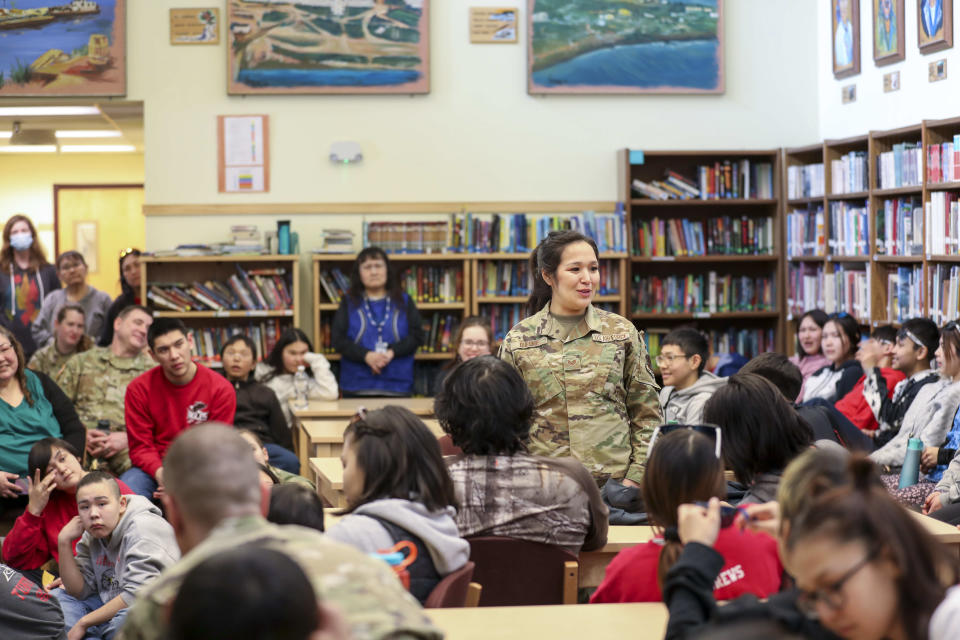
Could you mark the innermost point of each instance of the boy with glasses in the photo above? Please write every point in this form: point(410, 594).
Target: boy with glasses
point(686, 386)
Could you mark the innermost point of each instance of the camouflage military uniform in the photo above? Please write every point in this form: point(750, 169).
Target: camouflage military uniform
point(371, 598)
point(96, 381)
point(285, 477)
point(595, 394)
point(48, 360)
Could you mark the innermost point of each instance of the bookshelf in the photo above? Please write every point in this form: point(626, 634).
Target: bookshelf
point(712, 259)
point(210, 318)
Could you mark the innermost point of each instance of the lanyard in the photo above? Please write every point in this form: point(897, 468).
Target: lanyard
point(381, 346)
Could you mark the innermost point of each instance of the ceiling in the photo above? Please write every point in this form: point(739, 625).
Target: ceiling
point(125, 117)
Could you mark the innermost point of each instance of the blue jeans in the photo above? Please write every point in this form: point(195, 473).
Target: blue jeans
point(282, 458)
point(74, 609)
point(139, 482)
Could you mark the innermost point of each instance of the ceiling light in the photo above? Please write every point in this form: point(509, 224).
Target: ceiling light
point(13, 112)
point(30, 148)
point(97, 148)
point(88, 133)
point(37, 137)
point(5, 134)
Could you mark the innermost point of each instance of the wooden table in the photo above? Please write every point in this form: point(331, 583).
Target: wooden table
point(947, 534)
point(328, 476)
point(319, 427)
point(556, 622)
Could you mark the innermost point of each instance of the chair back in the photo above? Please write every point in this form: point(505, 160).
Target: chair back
point(451, 591)
point(519, 572)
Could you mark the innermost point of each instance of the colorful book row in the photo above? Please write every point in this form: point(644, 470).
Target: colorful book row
point(943, 161)
point(942, 218)
point(702, 293)
point(849, 234)
point(209, 341)
point(805, 181)
point(726, 235)
point(900, 227)
point(850, 173)
point(905, 298)
point(902, 166)
point(806, 233)
point(252, 290)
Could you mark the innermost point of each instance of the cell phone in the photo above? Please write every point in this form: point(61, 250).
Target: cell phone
point(728, 514)
point(23, 485)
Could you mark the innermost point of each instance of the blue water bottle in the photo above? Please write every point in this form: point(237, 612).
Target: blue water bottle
point(283, 237)
point(910, 472)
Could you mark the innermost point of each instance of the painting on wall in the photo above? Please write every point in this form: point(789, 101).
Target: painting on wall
point(328, 46)
point(61, 48)
point(934, 25)
point(845, 27)
point(888, 27)
point(610, 46)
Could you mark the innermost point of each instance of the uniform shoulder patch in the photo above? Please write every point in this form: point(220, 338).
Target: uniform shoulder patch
point(610, 337)
point(528, 344)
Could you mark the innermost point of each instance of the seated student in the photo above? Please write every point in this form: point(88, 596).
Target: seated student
point(129, 293)
point(923, 405)
point(474, 338)
point(292, 350)
point(72, 270)
point(26, 609)
point(55, 472)
point(258, 408)
point(875, 355)
point(809, 357)
point(503, 491)
point(826, 423)
point(684, 466)
point(262, 455)
point(397, 488)
point(126, 544)
point(68, 340)
point(686, 386)
point(761, 433)
point(841, 337)
point(296, 504)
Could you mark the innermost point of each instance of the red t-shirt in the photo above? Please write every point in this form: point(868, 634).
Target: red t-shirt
point(854, 406)
point(156, 411)
point(751, 565)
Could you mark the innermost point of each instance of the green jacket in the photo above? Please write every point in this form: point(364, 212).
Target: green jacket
point(595, 395)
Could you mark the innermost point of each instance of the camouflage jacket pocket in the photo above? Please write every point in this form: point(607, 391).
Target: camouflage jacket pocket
point(539, 366)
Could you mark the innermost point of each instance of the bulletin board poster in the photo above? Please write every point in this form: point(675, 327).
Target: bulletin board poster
point(243, 154)
point(490, 25)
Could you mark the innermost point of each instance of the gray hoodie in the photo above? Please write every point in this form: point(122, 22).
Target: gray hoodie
point(95, 305)
point(436, 529)
point(685, 406)
point(140, 547)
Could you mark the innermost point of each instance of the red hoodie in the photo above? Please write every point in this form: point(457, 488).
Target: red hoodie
point(854, 406)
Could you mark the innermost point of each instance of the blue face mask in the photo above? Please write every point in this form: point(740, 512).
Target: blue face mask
point(21, 241)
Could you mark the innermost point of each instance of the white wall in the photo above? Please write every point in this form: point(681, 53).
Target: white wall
point(917, 98)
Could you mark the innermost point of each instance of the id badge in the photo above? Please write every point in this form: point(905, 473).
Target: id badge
point(381, 346)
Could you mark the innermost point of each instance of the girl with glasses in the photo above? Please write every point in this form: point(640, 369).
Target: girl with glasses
point(129, 292)
point(474, 338)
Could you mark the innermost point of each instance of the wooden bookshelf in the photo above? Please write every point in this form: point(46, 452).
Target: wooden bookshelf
point(188, 269)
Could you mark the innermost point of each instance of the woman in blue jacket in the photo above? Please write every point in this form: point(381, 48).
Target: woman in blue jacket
point(377, 330)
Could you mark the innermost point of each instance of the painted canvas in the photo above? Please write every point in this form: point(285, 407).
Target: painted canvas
point(934, 25)
point(625, 46)
point(328, 46)
point(62, 48)
point(888, 31)
point(845, 27)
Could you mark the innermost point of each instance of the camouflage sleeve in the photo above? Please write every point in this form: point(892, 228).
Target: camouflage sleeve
point(643, 405)
point(506, 355)
point(67, 378)
point(143, 622)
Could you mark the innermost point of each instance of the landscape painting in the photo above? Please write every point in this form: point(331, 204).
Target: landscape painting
point(328, 46)
point(74, 48)
point(625, 46)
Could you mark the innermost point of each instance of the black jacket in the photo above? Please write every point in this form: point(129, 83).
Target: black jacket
point(73, 430)
point(259, 411)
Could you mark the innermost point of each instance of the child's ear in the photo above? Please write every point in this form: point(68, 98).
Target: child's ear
point(695, 361)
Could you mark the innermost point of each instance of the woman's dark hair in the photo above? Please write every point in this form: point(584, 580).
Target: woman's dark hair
point(818, 316)
point(778, 369)
point(275, 359)
point(245, 593)
point(864, 512)
point(356, 290)
point(40, 452)
point(85, 342)
point(38, 257)
point(950, 337)
point(400, 458)
point(239, 337)
point(294, 503)
point(923, 328)
point(486, 407)
point(682, 468)
point(21, 363)
point(470, 321)
point(760, 431)
point(546, 257)
point(124, 285)
point(849, 331)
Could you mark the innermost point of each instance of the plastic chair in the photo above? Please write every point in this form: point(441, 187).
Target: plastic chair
point(518, 572)
point(452, 590)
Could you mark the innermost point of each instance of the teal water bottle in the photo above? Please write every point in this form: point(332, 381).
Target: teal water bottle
point(910, 472)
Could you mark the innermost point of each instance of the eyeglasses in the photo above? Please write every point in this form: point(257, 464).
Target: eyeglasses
point(712, 431)
point(475, 344)
point(831, 595)
point(668, 359)
point(71, 266)
point(888, 343)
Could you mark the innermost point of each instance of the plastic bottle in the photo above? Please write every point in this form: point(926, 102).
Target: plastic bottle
point(103, 426)
point(910, 472)
point(301, 382)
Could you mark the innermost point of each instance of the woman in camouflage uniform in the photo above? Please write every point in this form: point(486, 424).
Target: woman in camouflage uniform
point(588, 369)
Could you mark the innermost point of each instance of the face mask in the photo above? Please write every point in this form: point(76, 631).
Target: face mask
point(21, 241)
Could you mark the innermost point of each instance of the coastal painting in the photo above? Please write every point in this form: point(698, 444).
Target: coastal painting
point(60, 48)
point(328, 46)
point(625, 46)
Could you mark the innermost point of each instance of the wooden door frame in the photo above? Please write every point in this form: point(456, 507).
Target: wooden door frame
point(56, 205)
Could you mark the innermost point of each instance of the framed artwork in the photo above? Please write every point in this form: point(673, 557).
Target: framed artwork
point(335, 46)
point(888, 27)
point(610, 46)
point(845, 27)
point(195, 26)
point(68, 49)
point(934, 25)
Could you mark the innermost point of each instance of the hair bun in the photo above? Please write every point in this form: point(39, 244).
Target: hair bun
point(863, 472)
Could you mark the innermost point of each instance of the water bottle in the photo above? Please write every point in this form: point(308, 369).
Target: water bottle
point(301, 382)
point(910, 472)
point(104, 427)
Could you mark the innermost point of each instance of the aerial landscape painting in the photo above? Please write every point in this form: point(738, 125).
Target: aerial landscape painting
point(329, 46)
point(76, 48)
point(625, 46)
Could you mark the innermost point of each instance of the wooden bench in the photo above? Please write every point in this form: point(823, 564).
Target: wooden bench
point(328, 476)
